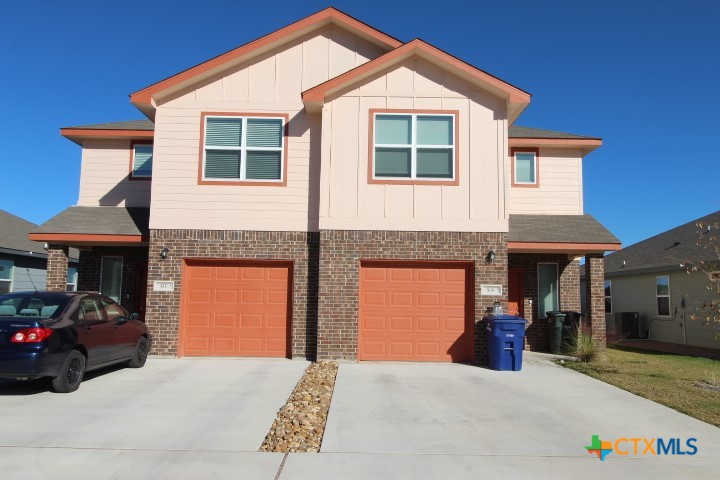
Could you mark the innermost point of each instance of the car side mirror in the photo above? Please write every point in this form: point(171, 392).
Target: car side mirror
point(134, 316)
point(121, 320)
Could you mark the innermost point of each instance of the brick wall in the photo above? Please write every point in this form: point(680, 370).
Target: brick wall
point(595, 297)
point(57, 268)
point(163, 308)
point(536, 334)
point(340, 255)
point(134, 262)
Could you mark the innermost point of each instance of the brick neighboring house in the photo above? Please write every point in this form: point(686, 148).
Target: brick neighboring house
point(328, 191)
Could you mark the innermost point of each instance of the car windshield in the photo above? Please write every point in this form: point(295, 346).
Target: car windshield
point(39, 305)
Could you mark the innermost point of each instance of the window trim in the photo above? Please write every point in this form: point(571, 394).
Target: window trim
point(11, 281)
point(412, 181)
point(102, 265)
point(609, 282)
point(245, 183)
point(657, 306)
point(132, 175)
point(557, 283)
point(536, 152)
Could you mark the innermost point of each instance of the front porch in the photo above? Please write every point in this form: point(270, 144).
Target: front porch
point(544, 266)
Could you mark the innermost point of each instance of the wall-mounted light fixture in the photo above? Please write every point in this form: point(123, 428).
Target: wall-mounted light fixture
point(164, 253)
point(490, 257)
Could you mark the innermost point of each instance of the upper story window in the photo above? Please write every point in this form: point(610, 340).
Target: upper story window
point(662, 294)
point(142, 160)
point(525, 167)
point(411, 147)
point(243, 148)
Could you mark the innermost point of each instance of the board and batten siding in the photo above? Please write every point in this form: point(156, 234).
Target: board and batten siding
point(272, 83)
point(636, 293)
point(560, 189)
point(104, 176)
point(349, 202)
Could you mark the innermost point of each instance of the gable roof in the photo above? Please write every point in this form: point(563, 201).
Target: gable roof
point(517, 98)
point(143, 99)
point(666, 250)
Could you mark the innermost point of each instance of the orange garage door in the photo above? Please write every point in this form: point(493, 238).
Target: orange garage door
point(414, 312)
point(235, 309)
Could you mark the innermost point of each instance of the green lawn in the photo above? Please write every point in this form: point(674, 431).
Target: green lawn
point(661, 377)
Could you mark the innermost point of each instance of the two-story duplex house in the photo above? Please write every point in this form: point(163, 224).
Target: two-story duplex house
point(329, 191)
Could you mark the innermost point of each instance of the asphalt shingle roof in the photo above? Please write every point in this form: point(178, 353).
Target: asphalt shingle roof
point(516, 131)
point(127, 125)
point(99, 221)
point(667, 249)
point(14, 234)
point(558, 229)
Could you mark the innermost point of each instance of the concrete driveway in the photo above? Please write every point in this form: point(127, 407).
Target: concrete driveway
point(175, 418)
point(392, 420)
point(206, 418)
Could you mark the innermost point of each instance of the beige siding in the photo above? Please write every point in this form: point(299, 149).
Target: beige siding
point(272, 83)
point(560, 185)
point(636, 293)
point(104, 176)
point(348, 201)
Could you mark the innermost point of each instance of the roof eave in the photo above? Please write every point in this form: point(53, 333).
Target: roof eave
point(586, 145)
point(77, 135)
point(574, 249)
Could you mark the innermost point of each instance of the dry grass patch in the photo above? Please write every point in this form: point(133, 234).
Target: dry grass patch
point(686, 384)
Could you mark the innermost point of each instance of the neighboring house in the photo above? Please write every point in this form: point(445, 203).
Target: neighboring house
point(329, 191)
point(651, 278)
point(23, 261)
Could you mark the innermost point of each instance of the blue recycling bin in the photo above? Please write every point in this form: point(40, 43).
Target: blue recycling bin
point(506, 341)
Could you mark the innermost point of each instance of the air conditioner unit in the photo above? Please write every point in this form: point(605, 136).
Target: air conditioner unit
point(627, 324)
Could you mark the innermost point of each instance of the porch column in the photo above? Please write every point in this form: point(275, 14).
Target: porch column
point(595, 297)
point(57, 268)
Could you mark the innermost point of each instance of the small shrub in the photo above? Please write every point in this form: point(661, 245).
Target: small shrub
point(585, 349)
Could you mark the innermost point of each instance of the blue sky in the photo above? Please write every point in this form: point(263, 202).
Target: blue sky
point(643, 75)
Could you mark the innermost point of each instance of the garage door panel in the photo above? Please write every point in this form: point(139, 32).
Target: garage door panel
point(251, 320)
point(400, 324)
point(428, 299)
point(429, 324)
point(198, 319)
point(235, 310)
point(429, 275)
point(424, 319)
point(201, 295)
point(401, 299)
point(372, 322)
point(400, 274)
point(225, 320)
point(401, 348)
point(226, 296)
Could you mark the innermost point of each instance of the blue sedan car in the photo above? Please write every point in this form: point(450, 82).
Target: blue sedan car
point(62, 335)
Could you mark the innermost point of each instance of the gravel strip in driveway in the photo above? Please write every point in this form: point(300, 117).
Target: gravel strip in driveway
point(300, 423)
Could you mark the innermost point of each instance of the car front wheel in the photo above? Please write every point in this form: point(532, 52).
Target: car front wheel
point(71, 373)
point(139, 356)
